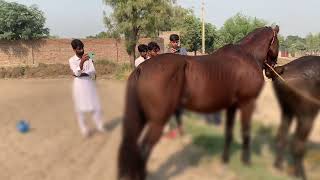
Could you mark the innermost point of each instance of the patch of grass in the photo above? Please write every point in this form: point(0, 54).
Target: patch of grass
point(123, 71)
point(105, 69)
point(210, 139)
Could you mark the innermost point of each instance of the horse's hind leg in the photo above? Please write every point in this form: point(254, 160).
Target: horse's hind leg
point(178, 114)
point(246, 113)
point(302, 132)
point(281, 138)
point(228, 133)
point(149, 138)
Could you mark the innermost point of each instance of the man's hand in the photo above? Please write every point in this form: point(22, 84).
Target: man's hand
point(85, 57)
point(173, 50)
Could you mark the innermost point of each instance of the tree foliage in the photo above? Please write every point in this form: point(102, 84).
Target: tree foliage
point(312, 43)
point(295, 44)
point(136, 18)
point(237, 27)
point(21, 22)
point(133, 19)
point(191, 34)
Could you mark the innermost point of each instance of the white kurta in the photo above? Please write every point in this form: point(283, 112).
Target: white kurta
point(85, 95)
point(138, 61)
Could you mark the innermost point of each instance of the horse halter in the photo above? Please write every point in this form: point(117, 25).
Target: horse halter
point(274, 36)
point(272, 41)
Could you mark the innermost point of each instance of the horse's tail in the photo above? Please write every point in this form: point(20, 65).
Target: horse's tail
point(130, 161)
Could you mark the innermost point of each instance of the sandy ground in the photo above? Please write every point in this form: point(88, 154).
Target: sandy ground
point(55, 150)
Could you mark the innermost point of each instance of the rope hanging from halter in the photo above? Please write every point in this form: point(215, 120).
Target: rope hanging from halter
point(313, 100)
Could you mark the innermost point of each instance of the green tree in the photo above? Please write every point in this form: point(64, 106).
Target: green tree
point(178, 18)
point(313, 43)
point(292, 44)
point(282, 42)
point(100, 35)
point(135, 18)
point(237, 27)
point(211, 36)
point(191, 34)
point(21, 22)
point(295, 44)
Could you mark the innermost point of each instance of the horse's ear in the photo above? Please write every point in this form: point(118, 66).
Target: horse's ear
point(276, 29)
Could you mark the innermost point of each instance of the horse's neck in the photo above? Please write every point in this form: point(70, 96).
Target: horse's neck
point(258, 49)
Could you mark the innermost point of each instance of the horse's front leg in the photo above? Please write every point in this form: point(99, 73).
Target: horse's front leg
point(228, 133)
point(246, 114)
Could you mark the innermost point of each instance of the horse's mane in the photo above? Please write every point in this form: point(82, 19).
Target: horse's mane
point(253, 35)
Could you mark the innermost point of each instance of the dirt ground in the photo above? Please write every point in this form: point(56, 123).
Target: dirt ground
point(55, 150)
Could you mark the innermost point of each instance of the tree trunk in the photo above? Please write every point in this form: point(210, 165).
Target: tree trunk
point(117, 50)
point(133, 58)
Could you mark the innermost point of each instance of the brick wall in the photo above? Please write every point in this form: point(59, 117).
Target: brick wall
point(59, 50)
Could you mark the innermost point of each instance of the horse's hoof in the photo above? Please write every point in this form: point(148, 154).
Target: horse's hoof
point(300, 175)
point(246, 161)
point(225, 159)
point(278, 165)
point(124, 178)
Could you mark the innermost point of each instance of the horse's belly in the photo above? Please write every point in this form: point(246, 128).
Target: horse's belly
point(208, 102)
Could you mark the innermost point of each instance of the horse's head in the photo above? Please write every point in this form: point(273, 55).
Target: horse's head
point(273, 51)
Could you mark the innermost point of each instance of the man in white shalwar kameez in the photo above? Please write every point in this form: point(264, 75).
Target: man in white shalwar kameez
point(85, 95)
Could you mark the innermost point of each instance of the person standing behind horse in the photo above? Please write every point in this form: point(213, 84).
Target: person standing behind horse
point(153, 49)
point(175, 48)
point(85, 94)
point(143, 50)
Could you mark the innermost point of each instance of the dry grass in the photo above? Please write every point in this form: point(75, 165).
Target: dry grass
point(105, 69)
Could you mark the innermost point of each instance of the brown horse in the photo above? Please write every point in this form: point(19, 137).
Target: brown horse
point(298, 97)
point(231, 78)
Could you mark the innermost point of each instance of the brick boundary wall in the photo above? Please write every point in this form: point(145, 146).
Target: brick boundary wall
point(51, 51)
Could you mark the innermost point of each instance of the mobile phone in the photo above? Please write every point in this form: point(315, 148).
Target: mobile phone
point(91, 55)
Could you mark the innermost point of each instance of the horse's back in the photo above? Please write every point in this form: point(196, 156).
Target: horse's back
point(221, 79)
point(302, 79)
point(306, 67)
point(303, 73)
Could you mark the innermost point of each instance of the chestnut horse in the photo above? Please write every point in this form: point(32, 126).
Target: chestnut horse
point(231, 78)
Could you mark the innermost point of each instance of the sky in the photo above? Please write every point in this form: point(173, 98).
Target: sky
point(81, 18)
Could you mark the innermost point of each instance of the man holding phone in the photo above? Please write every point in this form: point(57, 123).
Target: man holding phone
point(85, 94)
point(174, 46)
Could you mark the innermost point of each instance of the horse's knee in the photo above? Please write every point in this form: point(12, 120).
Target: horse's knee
point(299, 142)
point(150, 136)
point(298, 148)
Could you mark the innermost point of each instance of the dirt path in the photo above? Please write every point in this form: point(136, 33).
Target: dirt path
point(55, 150)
